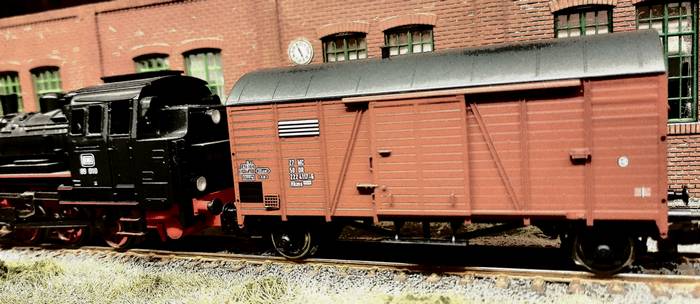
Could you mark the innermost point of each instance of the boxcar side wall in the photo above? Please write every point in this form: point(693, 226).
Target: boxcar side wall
point(590, 153)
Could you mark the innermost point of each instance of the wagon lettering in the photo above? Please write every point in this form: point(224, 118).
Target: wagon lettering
point(298, 177)
point(249, 171)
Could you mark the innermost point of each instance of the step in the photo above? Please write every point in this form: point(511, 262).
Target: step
point(129, 219)
point(125, 233)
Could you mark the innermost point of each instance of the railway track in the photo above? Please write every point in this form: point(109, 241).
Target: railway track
point(467, 272)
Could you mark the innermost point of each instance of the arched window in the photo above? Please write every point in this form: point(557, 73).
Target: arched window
point(206, 64)
point(583, 21)
point(676, 23)
point(45, 80)
point(344, 46)
point(9, 84)
point(409, 39)
point(151, 62)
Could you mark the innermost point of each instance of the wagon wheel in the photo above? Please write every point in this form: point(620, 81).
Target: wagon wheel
point(603, 253)
point(294, 242)
point(31, 235)
point(72, 236)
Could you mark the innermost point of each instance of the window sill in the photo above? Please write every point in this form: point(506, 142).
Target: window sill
point(683, 128)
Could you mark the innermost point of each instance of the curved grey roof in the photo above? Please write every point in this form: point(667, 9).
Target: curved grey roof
point(171, 85)
point(629, 53)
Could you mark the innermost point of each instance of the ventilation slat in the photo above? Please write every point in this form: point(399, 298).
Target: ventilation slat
point(293, 128)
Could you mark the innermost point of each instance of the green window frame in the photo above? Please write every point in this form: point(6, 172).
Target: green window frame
point(206, 65)
point(9, 84)
point(583, 21)
point(344, 46)
point(151, 63)
point(409, 39)
point(45, 80)
point(677, 26)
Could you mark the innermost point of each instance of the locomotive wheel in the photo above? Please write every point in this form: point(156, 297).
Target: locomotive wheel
point(109, 234)
point(75, 235)
point(28, 236)
point(32, 235)
point(294, 242)
point(603, 253)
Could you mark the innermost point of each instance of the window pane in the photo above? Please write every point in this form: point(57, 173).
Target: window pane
point(95, 120)
point(686, 8)
point(590, 18)
point(602, 17)
point(393, 51)
point(657, 11)
point(428, 47)
point(687, 44)
point(352, 43)
point(643, 12)
point(674, 109)
point(674, 26)
point(574, 21)
point(76, 122)
point(686, 108)
point(673, 9)
point(561, 21)
point(686, 64)
point(674, 67)
point(119, 117)
point(673, 47)
point(686, 87)
point(417, 48)
point(673, 88)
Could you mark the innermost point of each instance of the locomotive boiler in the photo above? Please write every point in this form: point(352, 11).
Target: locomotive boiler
point(120, 158)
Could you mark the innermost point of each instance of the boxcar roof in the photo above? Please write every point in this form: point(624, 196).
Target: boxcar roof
point(629, 53)
point(172, 85)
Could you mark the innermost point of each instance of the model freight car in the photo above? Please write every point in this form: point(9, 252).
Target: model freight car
point(566, 134)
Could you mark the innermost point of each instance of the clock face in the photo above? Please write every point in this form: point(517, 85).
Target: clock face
point(300, 51)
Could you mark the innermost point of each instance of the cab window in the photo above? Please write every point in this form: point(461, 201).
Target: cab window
point(119, 118)
point(94, 120)
point(77, 121)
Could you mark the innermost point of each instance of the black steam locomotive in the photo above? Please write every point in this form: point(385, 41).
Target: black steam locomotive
point(116, 159)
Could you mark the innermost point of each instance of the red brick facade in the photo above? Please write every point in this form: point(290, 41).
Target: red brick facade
point(90, 41)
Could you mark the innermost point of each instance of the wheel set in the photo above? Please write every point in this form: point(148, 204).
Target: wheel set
point(601, 251)
point(111, 228)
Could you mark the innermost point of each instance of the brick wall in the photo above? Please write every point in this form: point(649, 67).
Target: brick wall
point(90, 41)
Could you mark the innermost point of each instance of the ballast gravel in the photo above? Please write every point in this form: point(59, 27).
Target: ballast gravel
point(214, 281)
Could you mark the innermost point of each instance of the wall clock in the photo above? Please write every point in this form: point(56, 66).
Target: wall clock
point(300, 51)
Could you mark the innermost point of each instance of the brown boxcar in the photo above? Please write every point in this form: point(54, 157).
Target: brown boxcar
point(566, 134)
